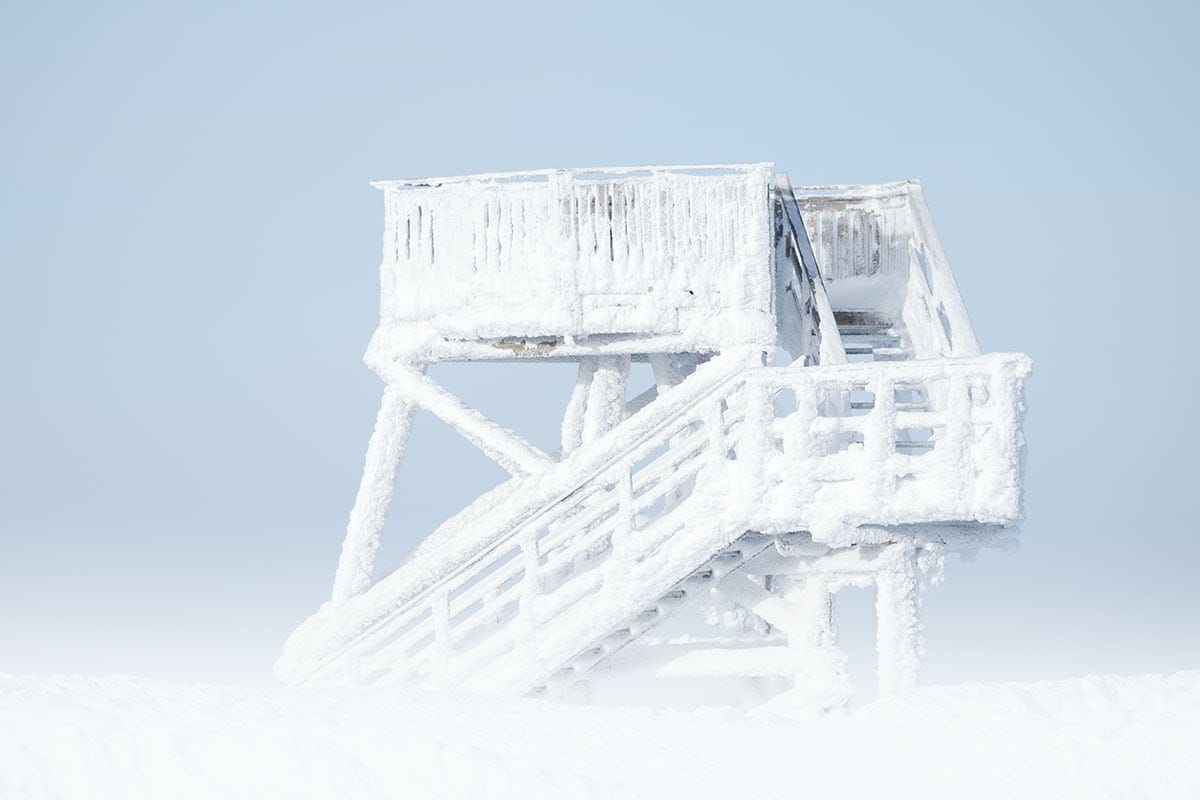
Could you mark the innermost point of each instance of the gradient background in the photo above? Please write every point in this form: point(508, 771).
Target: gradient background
point(188, 279)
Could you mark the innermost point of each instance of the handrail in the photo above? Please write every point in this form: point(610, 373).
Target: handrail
point(829, 342)
point(948, 303)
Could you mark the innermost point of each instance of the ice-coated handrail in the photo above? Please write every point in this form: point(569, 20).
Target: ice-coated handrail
point(829, 349)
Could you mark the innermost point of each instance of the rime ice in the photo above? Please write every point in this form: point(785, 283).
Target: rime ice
point(822, 417)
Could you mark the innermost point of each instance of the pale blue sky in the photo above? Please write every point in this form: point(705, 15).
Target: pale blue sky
point(188, 255)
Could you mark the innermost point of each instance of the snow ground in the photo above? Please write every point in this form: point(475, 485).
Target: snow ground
point(1095, 737)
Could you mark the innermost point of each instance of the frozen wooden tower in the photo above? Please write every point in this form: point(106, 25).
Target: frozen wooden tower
point(822, 418)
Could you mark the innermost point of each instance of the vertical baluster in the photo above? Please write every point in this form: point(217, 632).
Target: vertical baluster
point(756, 445)
point(531, 585)
point(625, 516)
point(957, 437)
point(880, 438)
point(798, 439)
point(615, 568)
point(493, 601)
point(714, 424)
point(439, 611)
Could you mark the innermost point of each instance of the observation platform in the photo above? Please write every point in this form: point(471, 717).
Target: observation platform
point(822, 416)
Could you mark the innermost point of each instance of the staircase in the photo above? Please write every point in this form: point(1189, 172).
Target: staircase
point(871, 336)
point(550, 574)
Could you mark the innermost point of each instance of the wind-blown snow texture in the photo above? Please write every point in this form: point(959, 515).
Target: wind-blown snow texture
point(1093, 737)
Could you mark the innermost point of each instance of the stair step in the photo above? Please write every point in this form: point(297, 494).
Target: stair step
point(648, 615)
point(857, 343)
point(880, 329)
point(864, 318)
point(913, 408)
point(889, 338)
point(892, 354)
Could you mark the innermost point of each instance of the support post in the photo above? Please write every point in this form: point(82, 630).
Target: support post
point(898, 626)
point(597, 402)
point(384, 454)
point(606, 396)
point(666, 372)
point(823, 682)
point(572, 426)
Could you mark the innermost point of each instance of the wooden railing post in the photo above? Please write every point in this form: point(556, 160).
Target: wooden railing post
point(714, 424)
point(439, 612)
point(531, 585)
point(757, 442)
point(879, 434)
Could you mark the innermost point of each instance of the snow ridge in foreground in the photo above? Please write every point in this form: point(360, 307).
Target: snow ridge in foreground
point(130, 737)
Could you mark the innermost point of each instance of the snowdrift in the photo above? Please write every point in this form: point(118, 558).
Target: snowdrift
point(1092, 737)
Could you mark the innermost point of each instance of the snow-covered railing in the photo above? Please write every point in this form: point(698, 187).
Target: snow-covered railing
point(855, 445)
point(919, 442)
point(814, 335)
point(661, 251)
point(935, 294)
point(884, 234)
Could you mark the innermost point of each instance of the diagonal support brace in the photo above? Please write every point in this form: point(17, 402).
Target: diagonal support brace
point(506, 448)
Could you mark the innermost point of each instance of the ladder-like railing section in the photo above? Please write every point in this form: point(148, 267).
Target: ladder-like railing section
point(894, 444)
point(652, 455)
point(858, 444)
